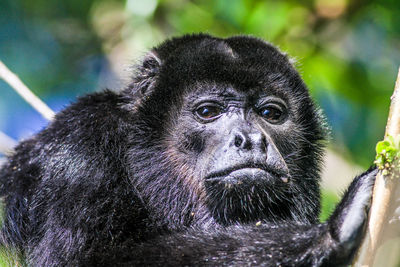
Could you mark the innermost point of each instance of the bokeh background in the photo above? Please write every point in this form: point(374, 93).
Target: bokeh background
point(346, 50)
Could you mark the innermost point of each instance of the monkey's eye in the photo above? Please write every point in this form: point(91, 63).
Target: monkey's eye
point(272, 114)
point(208, 112)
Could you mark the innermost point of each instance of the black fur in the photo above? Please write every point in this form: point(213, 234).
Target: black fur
point(120, 178)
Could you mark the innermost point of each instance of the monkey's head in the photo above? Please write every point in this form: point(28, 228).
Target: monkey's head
point(228, 132)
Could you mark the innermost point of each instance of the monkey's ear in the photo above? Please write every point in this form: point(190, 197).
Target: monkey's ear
point(146, 74)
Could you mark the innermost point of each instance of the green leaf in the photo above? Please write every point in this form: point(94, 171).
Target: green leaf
point(387, 154)
point(381, 146)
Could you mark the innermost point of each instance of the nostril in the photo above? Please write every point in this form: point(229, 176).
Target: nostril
point(238, 141)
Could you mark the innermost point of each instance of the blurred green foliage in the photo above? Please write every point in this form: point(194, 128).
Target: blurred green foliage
point(328, 204)
point(10, 258)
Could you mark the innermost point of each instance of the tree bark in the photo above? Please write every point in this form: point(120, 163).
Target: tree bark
point(384, 192)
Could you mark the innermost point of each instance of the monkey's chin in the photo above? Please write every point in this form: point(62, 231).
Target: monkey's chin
point(246, 195)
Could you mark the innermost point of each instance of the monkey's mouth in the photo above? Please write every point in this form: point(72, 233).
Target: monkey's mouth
point(247, 173)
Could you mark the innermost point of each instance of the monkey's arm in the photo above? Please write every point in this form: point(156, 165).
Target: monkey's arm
point(327, 244)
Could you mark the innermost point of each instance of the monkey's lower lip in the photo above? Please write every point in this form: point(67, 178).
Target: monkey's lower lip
point(247, 173)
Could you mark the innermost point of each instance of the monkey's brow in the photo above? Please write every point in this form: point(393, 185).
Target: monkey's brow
point(225, 92)
point(214, 90)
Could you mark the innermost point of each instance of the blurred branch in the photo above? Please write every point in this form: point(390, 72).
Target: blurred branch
point(24, 92)
point(384, 191)
point(7, 144)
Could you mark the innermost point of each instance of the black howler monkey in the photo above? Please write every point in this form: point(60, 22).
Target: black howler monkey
point(211, 156)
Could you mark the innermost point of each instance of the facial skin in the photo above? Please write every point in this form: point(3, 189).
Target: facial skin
point(231, 134)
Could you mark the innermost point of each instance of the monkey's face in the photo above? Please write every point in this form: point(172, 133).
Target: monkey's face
point(238, 142)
